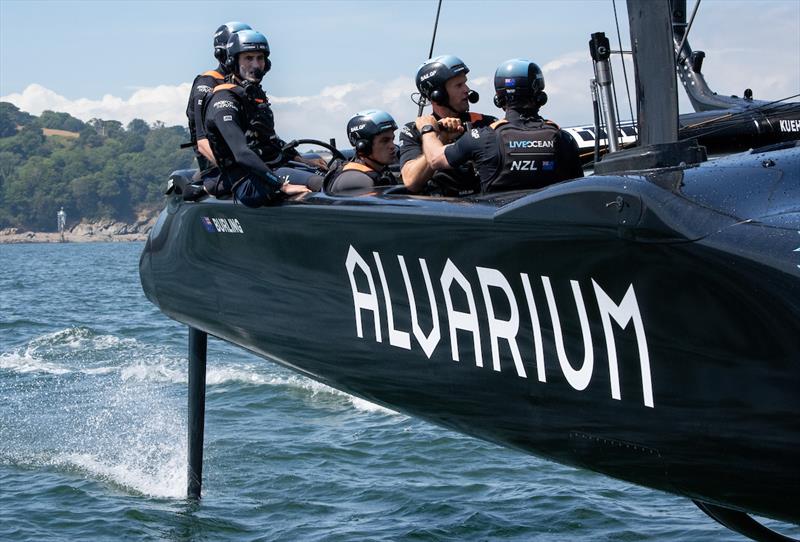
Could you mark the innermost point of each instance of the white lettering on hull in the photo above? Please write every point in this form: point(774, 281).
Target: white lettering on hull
point(497, 291)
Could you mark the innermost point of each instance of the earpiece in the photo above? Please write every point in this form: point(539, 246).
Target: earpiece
point(473, 97)
point(439, 96)
point(499, 101)
point(363, 147)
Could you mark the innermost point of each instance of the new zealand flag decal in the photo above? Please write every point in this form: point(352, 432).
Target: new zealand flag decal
point(511, 82)
point(208, 225)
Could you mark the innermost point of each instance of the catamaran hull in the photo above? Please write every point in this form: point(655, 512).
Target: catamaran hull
point(637, 326)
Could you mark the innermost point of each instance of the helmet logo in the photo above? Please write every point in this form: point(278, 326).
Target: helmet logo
point(427, 75)
point(357, 128)
point(510, 82)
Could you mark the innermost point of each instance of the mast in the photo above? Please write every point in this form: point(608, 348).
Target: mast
point(654, 65)
point(656, 95)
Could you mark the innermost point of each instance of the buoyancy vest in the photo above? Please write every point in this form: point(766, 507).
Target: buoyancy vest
point(527, 155)
point(218, 78)
point(260, 130)
point(379, 178)
point(462, 181)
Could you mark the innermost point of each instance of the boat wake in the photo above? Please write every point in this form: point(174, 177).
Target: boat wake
point(114, 408)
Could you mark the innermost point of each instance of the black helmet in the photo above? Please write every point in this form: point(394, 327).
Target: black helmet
point(434, 73)
point(222, 35)
point(365, 125)
point(519, 82)
point(245, 41)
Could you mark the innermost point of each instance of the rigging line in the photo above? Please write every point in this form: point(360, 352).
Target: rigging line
point(712, 129)
point(736, 116)
point(686, 33)
point(600, 125)
point(618, 127)
point(622, 59)
point(422, 100)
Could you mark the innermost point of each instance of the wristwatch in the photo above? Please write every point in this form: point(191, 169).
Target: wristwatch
point(426, 129)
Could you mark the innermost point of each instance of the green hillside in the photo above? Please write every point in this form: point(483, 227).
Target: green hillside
point(107, 171)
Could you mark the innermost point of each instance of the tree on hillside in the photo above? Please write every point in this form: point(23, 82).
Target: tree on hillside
point(11, 117)
point(60, 121)
point(139, 127)
point(107, 172)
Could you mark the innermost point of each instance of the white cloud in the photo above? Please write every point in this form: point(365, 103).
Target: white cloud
point(324, 115)
point(164, 103)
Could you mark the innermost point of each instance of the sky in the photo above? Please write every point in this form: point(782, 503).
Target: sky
point(122, 60)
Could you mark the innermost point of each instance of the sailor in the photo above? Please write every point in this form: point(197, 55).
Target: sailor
point(203, 85)
point(443, 81)
point(523, 150)
point(241, 129)
point(371, 133)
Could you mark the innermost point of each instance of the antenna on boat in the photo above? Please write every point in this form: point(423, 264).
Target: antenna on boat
point(422, 100)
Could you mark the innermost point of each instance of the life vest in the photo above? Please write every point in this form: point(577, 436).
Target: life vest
point(218, 78)
point(462, 181)
point(527, 155)
point(260, 130)
point(379, 178)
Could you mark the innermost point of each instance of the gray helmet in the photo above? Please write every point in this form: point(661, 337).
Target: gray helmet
point(434, 73)
point(365, 125)
point(518, 82)
point(246, 41)
point(222, 35)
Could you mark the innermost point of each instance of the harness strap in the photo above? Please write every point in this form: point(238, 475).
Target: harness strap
point(358, 167)
point(215, 74)
point(224, 86)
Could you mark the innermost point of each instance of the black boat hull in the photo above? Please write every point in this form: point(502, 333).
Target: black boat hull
point(646, 326)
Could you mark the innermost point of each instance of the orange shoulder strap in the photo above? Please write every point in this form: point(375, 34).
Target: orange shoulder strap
point(553, 124)
point(356, 166)
point(475, 117)
point(215, 74)
point(497, 123)
point(224, 86)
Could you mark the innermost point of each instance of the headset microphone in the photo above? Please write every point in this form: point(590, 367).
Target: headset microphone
point(473, 97)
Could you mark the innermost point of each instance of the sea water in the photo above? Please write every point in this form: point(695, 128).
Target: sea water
point(93, 441)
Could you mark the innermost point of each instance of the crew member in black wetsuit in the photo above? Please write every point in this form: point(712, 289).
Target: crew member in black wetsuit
point(442, 81)
point(521, 151)
point(240, 127)
point(371, 133)
point(203, 85)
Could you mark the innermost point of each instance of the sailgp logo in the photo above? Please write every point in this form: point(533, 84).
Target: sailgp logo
point(427, 76)
point(500, 318)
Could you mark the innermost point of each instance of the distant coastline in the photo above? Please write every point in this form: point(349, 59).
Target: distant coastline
point(98, 231)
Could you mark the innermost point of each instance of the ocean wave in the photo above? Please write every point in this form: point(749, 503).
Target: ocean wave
point(25, 362)
point(164, 479)
point(81, 350)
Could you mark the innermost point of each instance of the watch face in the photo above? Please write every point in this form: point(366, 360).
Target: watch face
point(427, 128)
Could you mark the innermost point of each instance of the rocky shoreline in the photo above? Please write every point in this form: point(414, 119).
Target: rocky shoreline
point(100, 231)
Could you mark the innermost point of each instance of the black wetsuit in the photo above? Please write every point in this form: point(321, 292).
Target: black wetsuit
point(523, 151)
point(455, 182)
point(202, 86)
point(355, 176)
point(240, 127)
